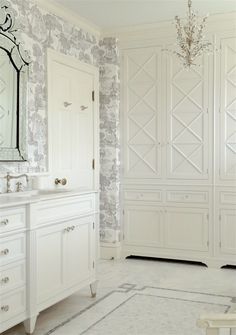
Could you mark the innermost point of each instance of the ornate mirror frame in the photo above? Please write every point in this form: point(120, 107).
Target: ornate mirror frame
point(20, 60)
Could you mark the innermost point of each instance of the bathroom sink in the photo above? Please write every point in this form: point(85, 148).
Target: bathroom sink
point(34, 193)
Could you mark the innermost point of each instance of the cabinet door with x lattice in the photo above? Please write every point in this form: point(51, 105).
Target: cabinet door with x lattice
point(227, 109)
point(142, 113)
point(188, 113)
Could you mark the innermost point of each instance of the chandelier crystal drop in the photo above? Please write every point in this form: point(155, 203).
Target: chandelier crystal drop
point(190, 39)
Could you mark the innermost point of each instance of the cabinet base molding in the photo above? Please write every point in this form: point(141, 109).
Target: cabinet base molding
point(212, 263)
point(110, 250)
point(215, 264)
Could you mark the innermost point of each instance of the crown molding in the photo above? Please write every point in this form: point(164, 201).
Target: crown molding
point(215, 23)
point(67, 14)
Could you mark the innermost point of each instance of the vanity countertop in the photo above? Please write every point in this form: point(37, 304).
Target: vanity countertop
point(23, 198)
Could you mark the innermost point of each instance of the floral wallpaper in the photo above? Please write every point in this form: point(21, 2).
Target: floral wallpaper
point(38, 31)
point(109, 141)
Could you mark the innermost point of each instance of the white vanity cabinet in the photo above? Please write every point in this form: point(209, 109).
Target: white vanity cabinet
point(12, 266)
point(48, 251)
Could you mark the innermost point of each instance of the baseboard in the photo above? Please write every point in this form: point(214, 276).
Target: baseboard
point(110, 250)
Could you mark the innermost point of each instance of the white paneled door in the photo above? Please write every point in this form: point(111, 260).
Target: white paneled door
point(72, 120)
point(142, 112)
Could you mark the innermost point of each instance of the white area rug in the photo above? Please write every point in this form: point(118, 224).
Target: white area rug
point(133, 310)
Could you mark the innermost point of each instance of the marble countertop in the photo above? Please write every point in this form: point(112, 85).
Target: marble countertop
point(23, 198)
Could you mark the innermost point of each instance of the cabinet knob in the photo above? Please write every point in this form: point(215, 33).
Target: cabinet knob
point(5, 252)
point(66, 230)
point(4, 222)
point(5, 308)
point(5, 280)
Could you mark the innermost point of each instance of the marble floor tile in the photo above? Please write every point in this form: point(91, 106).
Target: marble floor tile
point(146, 290)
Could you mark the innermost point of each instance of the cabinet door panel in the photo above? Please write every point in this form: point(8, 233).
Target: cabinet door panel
point(228, 232)
point(49, 261)
point(186, 229)
point(228, 109)
point(187, 120)
point(142, 112)
point(78, 251)
point(143, 226)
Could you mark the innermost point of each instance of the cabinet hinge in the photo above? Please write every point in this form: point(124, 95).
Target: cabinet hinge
point(93, 264)
point(93, 96)
point(123, 236)
point(93, 164)
point(93, 225)
point(220, 217)
point(123, 212)
point(208, 244)
point(220, 244)
point(207, 216)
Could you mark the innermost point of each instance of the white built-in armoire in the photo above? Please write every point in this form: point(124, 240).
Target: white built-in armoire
point(179, 148)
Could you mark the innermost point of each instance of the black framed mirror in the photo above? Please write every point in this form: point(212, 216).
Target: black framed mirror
point(14, 64)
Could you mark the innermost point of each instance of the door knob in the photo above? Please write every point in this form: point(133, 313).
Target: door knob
point(62, 181)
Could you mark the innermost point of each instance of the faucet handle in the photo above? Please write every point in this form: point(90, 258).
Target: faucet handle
point(7, 175)
point(19, 187)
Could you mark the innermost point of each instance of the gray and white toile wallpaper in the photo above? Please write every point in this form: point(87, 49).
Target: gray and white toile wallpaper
point(40, 30)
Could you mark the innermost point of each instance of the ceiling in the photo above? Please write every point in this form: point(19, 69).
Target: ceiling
point(110, 14)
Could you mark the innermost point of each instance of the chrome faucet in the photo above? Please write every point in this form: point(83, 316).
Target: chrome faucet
point(8, 177)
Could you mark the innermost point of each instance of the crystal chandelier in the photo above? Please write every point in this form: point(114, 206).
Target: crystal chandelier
point(190, 38)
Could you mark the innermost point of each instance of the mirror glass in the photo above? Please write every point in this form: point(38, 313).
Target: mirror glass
point(14, 64)
point(8, 102)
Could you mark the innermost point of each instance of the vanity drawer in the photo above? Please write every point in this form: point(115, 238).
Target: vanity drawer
point(12, 219)
point(143, 195)
point(62, 209)
point(228, 198)
point(12, 304)
point(187, 197)
point(12, 248)
point(12, 276)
